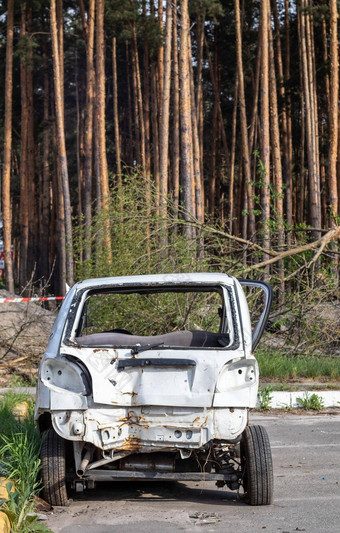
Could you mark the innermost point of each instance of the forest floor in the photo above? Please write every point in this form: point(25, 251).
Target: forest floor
point(24, 333)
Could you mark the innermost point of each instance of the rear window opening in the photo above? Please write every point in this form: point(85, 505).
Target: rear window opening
point(176, 318)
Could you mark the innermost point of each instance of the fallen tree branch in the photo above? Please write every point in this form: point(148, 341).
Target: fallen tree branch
point(331, 235)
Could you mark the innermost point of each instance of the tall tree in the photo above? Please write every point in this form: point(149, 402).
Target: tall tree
point(6, 169)
point(264, 125)
point(165, 117)
point(61, 145)
point(115, 112)
point(175, 112)
point(186, 122)
point(312, 137)
point(243, 121)
point(88, 28)
point(101, 122)
point(24, 200)
point(334, 110)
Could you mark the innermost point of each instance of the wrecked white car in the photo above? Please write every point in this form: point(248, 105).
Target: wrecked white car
point(152, 378)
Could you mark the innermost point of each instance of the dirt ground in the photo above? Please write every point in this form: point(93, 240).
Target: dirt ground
point(24, 332)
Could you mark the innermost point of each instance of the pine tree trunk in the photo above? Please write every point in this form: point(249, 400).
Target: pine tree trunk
point(61, 146)
point(45, 219)
point(164, 124)
point(264, 127)
point(7, 154)
point(175, 112)
point(199, 96)
point(232, 158)
point(333, 115)
point(243, 122)
point(311, 118)
point(146, 79)
point(199, 211)
point(139, 97)
point(88, 133)
point(100, 96)
point(186, 122)
point(276, 158)
point(130, 156)
point(24, 200)
point(115, 114)
point(160, 60)
point(286, 158)
point(31, 187)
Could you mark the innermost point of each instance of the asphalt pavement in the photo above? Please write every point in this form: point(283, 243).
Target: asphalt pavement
point(306, 454)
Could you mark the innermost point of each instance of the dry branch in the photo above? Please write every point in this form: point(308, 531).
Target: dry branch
point(331, 235)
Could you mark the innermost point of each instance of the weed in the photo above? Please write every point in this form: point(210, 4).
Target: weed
point(20, 381)
point(311, 402)
point(20, 511)
point(265, 397)
point(19, 452)
point(273, 364)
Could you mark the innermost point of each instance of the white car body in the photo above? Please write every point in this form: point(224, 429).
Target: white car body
point(120, 403)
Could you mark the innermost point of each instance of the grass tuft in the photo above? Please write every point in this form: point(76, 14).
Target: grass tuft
point(277, 365)
point(19, 460)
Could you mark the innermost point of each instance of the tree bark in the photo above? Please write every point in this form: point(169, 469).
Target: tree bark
point(115, 114)
point(45, 236)
point(24, 201)
point(186, 122)
point(333, 115)
point(6, 169)
point(264, 125)
point(88, 27)
point(176, 121)
point(243, 121)
point(311, 118)
point(61, 146)
point(286, 156)
point(164, 124)
point(101, 124)
point(31, 186)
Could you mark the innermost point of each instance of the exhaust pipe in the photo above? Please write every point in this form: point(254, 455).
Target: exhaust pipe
point(84, 463)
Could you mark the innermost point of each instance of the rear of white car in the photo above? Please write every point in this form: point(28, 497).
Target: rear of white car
point(152, 377)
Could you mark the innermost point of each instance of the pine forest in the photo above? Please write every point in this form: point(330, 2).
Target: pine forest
point(147, 136)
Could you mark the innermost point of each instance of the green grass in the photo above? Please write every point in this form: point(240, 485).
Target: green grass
point(19, 460)
point(278, 365)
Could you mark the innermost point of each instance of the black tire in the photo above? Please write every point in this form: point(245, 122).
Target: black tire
point(257, 466)
point(53, 469)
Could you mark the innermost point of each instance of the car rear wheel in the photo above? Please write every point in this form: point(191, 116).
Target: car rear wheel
point(257, 466)
point(53, 468)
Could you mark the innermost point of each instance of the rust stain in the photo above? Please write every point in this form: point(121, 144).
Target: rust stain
point(131, 393)
point(131, 443)
point(133, 420)
point(202, 424)
point(68, 416)
point(95, 350)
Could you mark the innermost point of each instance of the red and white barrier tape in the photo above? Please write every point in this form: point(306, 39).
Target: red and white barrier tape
point(20, 300)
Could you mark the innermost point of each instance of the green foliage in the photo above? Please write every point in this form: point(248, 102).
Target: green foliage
point(19, 444)
point(19, 453)
point(280, 365)
point(265, 397)
point(133, 252)
point(21, 381)
point(153, 314)
point(311, 402)
point(20, 511)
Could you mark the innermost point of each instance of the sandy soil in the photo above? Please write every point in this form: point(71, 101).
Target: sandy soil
point(24, 332)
